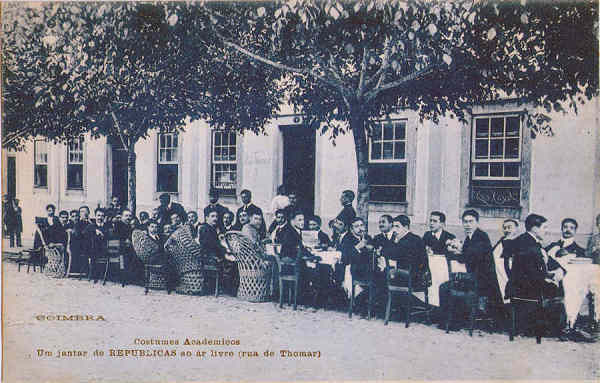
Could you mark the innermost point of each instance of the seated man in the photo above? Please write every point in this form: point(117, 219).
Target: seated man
point(45, 224)
point(476, 255)
point(252, 229)
point(357, 248)
point(227, 222)
point(96, 236)
point(160, 257)
point(502, 253)
point(192, 222)
point(277, 225)
point(435, 239)
point(208, 236)
point(339, 230)
point(593, 247)
point(566, 246)
point(242, 219)
point(408, 250)
point(314, 224)
point(144, 219)
point(534, 273)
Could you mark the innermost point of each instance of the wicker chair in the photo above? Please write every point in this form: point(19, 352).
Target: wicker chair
point(255, 270)
point(156, 275)
point(186, 258)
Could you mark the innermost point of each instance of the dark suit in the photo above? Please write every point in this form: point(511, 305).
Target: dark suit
point(478, 259)
point(251, 209)
point(360, 261)
point(165, 213)
point(220, 211)
point(438, 246)
point(97, 244)
point(209, 241)
point(347, 215)
point(46, 227)
point(573, 248)
point(409, 251)
point(528, 279)
point(529, 270)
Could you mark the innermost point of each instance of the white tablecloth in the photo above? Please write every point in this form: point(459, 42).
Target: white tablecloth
point(439, 274)
point(579, 280)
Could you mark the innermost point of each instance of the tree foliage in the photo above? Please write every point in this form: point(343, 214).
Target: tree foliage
point(348, 63)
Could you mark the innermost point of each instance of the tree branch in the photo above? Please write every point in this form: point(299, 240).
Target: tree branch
point(363, 69)
point(384, 65)
point(281, 66)
point(394, 84)
point(118, 126)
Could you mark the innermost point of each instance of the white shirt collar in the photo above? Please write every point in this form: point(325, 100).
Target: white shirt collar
point(567, 241)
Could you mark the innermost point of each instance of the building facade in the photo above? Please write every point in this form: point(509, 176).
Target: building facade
point(491, 163)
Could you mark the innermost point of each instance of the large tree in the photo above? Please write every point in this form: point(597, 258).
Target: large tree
point(345, 64)
point(119, 70)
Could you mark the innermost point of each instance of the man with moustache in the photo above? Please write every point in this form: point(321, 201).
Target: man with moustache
point(566, 244)
point(503, 252)
point(96, 237)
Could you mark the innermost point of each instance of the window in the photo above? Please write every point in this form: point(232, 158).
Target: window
point(387, 162)
point(75, 163)
point(496, 161)
point(224, 162)
point(40, 178)
point(168, 163)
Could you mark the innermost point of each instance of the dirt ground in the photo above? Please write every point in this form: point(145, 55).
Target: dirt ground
point(333, 347)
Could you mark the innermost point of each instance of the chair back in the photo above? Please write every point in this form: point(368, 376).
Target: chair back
point(398, 277)
point(184, 252)
point(248, 254)
point(143, 245)
point(114, 246)
point(461, 280)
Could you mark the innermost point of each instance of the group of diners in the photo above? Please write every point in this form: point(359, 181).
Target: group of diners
point(516, 266)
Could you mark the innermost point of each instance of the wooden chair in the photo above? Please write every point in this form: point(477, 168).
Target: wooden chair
point(368, 282)
point(113, 255)
point(34, 256)
point(540, 304)
point(404, 276)
point(70, 260)
point(292, 279)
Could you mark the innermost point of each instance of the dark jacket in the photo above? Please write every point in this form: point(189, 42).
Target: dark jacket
point(573, 248)
point(209, 241)
point(347, 215)
point(409, 251)
point(529, 271)
point(478, 259)
point(96, 244)
point(360, 261)
point(165, 213)
point(438, 246)
point(291, 243)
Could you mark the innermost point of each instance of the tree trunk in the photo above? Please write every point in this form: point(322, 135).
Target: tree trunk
point(357, 124)
point(131, 176)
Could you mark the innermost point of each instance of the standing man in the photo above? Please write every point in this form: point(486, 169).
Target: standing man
point(250, 209)
point(348, 213)
point(281, 200)
point(167, 208)
point(435, 239)
point(192, 222)
point(213, 198)
point(84, 214)
point(277, 225)
point(114, 208)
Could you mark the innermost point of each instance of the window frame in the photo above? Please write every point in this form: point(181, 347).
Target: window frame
point(213, 161)
point(175, 159)
point(69, 162)
point(489, 159)
point(36, 163)
point(500, 107)
point(391, 161)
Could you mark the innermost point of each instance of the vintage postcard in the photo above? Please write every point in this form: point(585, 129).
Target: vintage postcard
point(300, 190)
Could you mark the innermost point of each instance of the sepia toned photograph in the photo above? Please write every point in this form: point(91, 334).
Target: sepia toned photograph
point(300, 190)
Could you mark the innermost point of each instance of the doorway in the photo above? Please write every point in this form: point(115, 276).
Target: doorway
point(119, 170)
point(299, 164)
